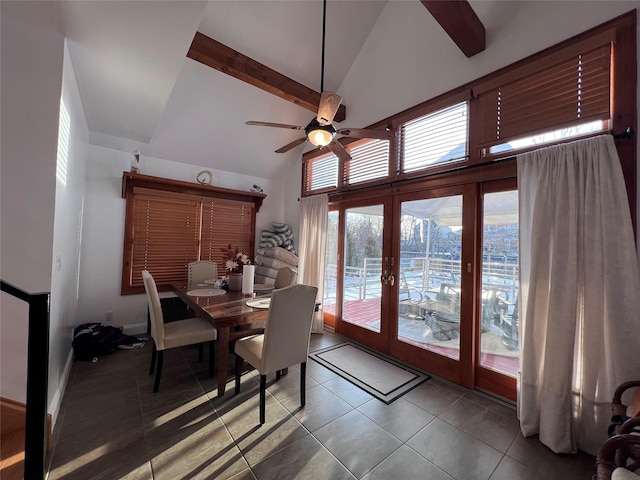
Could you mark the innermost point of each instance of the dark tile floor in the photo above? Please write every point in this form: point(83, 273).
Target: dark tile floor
point(111, 426)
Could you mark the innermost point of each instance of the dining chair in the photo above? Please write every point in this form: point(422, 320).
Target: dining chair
point(286, 276)
point(285, 341)
point(179, 333)
point(198, 272)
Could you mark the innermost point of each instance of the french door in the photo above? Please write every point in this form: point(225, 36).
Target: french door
point(433, 298)
point(430, 277)
point(365, 270)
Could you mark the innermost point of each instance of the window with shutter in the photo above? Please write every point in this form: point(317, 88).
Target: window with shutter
point(562, 97)
point(166, 237)
point(320, 173)
point(369, 161)
point(170, 223)
point(583, 86)
point(438, 138)
point(223, 223)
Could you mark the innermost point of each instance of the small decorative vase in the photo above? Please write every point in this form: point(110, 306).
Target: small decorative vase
point(235, 282)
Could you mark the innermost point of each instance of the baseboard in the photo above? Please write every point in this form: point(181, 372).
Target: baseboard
point(135, 329)
point(56, 401)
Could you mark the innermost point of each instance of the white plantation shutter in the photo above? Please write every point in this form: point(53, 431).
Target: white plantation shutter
point(437, 138)
point(320, 174)
point(369, 161)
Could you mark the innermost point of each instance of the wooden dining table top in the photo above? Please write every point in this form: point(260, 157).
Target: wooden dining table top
point(222, 310)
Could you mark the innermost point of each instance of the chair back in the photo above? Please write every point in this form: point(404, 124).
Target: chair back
point(155, 309)
point(288, 327)
point(200, 271)
point(286, 276)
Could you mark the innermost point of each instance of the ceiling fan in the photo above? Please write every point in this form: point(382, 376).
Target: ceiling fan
point(320, 130)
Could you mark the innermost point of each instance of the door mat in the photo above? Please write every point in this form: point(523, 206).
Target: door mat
point(382, 377)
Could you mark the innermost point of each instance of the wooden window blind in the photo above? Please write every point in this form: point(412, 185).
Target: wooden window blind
point(585, 85)
point(166, 237)
point(571, 92)
point(170, 223)
point(223, 223)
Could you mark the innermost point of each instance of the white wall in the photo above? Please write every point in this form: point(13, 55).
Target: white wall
point(32, 58)
point(66, 235)
point(292, 201)
point(103, 237)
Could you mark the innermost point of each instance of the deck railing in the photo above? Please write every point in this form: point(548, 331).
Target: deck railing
point(37, 379)
point(425, 274)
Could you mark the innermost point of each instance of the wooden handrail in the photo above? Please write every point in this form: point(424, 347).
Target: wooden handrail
point(37, 379)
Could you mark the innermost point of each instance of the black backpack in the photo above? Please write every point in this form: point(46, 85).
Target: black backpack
point(91, 340)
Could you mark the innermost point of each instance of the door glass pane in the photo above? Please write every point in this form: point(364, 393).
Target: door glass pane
point(331, 265)
point(429, 283)
point(499, 309)
point(363, 266)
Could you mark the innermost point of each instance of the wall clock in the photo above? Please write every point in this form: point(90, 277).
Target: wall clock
point(205, 177)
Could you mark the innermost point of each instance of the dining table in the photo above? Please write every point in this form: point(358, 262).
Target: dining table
point(231, 313)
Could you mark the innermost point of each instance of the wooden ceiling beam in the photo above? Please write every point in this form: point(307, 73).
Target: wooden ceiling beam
point(461, 23)
point(224, 59)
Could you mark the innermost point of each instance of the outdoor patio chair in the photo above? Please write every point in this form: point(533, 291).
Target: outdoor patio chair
point(508, 324)
point(411, 301)
point(447, 312)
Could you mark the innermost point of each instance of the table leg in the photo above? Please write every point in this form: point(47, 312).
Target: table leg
point(223, 359)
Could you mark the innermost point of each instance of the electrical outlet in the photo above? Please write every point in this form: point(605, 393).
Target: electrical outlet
point(108, 317)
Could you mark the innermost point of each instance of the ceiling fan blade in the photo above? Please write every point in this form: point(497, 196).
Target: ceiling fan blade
point(337, 148)
point(277, 125)
point(329, 104)
point(291, 145)
point(366, 133)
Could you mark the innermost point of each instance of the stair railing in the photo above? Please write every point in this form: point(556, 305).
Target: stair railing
point(37, 379)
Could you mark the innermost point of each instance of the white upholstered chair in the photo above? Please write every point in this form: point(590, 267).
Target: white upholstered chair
point(198, 272)
point(286, 276)
point(285, 341)
point(174, 334)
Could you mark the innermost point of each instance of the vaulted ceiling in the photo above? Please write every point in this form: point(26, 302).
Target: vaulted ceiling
point(145, 76)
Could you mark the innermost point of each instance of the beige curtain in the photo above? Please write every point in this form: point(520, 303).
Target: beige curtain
point(580, 292)
point(314, 211)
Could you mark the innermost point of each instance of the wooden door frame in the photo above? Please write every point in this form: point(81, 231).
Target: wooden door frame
point(485, 378)
point(377, 341)
point(458, 371)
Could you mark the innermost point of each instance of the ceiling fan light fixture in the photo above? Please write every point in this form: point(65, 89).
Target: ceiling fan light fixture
point(320, 135)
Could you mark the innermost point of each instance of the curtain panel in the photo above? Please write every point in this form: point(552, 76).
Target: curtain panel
point(314, 212)
point(580, 292)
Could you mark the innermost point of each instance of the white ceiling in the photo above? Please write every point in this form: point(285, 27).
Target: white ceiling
point(140, 91)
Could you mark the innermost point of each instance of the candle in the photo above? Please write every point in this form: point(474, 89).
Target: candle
point(247, 280)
